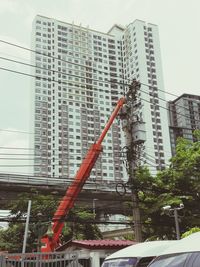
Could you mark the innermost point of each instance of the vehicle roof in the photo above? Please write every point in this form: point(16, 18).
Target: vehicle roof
point(190, 243)
point(145, 249)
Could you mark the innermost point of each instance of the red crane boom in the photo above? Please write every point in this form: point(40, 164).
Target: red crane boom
point(50, 243)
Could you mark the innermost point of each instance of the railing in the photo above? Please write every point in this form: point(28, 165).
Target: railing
point(108, 186)
point(56, 259)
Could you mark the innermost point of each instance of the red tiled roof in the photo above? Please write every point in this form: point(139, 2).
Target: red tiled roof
point(98, 244)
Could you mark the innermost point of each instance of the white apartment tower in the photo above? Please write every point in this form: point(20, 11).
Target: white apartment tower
point(142, 60)
point(80, 74)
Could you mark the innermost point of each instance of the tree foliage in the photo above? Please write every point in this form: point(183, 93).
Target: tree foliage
point(42, 210)
point(191, 231)
point(180, 183)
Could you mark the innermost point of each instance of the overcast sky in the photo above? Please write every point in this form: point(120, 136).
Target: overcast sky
point(179, 28)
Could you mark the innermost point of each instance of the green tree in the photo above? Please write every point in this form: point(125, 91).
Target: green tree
point(191, 231)
point(180, 183)
point(80, 226)
point(42, 210)
point(185, 166)
point(154, 193)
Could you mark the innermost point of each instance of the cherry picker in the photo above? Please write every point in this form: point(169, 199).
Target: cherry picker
point(51, 242)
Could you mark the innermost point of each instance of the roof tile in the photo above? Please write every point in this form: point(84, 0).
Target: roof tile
point(100, 244)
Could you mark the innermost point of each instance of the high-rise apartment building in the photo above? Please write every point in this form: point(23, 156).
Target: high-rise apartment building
point(142, 60)
point(80, 74)
point(184, 118)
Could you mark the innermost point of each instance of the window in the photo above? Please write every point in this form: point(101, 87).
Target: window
point(175, 260)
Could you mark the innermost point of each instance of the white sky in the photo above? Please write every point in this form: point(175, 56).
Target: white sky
point(179, 27)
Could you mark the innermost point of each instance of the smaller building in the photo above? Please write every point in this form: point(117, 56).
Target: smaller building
point(184, 118)
point(91, 253)
point(4, 214)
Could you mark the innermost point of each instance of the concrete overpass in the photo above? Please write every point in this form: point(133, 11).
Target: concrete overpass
point(101, 194)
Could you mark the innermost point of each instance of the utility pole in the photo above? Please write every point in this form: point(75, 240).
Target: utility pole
point(134, 131)
point(26, 227)
point(173, 212)
point(26, 232)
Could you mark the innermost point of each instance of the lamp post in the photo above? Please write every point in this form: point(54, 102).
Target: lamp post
point(26, 227)
point(175, 214)
point(39, 230)
point(94, 206)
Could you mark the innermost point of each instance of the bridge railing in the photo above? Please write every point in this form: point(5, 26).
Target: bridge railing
point(55, 259)
point(58, 182)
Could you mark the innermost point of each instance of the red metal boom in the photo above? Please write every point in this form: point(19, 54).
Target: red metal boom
point(50, 243)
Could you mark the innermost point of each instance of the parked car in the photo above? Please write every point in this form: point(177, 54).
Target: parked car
point(139, 255)
point(184, 253)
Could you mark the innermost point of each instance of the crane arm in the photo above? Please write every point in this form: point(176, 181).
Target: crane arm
point(50, 243)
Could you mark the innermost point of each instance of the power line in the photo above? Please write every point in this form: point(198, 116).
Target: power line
point(73, 63)
point(33, 221)
point(61, 72)
point(121, 83)
point(15, 131)
point(166, 92)
point(52, 157)
point(141, 90)
point(185, 116)
point(25, 148)
point(59, 158)
point(62, 152)
point(73, 75)
point(17, 154)
point(56, 81)
point(49, 79)
point(19, 148)
point(66, 158)
point(86, 102)
point(53, 57)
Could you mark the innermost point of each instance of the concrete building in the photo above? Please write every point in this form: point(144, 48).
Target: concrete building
point(4, 214)
point(93, 252)
point(142, 60)
point(75, 100)
point(184, 118)
point(80, 74)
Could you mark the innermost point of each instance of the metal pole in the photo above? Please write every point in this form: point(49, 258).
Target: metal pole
point(26, 227)
point(130, 120)
point(94, 206)
point(136, 217)
point(176, 224)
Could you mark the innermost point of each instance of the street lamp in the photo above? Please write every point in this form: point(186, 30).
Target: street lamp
point(39, 230)
point(94, 206)
point(175, 214)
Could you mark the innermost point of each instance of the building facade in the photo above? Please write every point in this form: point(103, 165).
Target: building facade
point(142, 60)
point(184, 118)
point(79, 76)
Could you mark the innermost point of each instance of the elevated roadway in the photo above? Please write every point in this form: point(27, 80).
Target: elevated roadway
point(101, 194)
